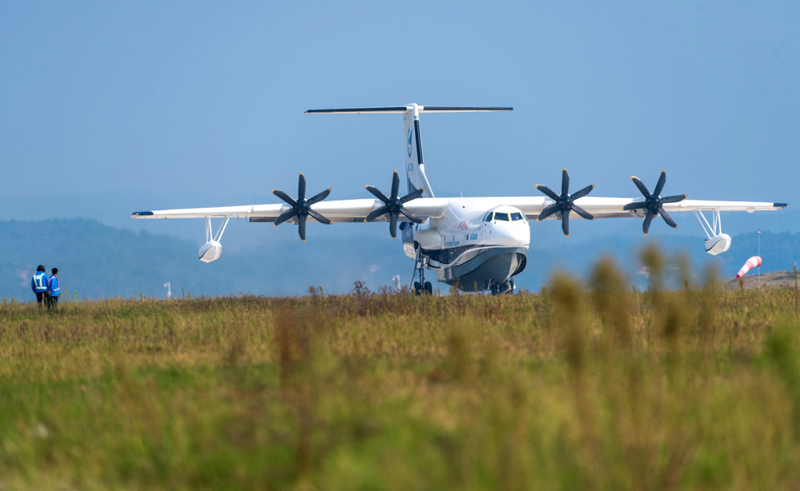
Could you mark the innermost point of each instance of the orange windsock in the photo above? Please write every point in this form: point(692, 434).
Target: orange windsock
point(751, 263)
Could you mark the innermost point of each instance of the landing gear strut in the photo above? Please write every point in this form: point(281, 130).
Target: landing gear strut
point(421, 286)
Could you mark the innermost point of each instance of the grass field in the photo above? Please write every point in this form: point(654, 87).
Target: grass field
point(576, 387)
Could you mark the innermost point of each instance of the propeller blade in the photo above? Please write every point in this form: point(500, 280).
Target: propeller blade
point(546, 190)
point(547, 212)
point(411, 217)
point(321, 196)
point(635, 206)
point(674, 199)
point(667, 218)
point(583, 192)
point(283, 217)
point(564, 182)
point(647, 219)
point(412, 196)
point(393, 225)
point(301, 188)
point(376, 213)
point(565, 222)
point(583, 213)
point(660, 185)
point(319, 217)
point(641, 186)
point(377, 193)
point(285, 197)
point(395, 185)
point(301, 219)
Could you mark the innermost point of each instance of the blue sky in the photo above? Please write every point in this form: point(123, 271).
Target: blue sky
point(111, 107)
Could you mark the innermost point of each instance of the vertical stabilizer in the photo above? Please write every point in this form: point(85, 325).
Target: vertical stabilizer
point(415, 164)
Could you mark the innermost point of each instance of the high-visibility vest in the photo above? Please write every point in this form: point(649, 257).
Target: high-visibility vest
point(40, 281)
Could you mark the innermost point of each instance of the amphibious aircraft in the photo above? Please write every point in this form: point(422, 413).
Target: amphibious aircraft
point(476, 244)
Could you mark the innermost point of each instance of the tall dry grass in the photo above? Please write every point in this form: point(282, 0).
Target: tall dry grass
point(584, 386)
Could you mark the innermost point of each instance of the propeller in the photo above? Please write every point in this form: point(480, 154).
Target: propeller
point(653, 203)
point(565, 203)
point(301, 208)
point(393, 206)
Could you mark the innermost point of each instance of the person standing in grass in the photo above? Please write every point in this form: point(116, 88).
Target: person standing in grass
point(53, 289)
point(39, 284)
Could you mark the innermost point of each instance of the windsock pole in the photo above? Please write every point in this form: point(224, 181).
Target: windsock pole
point(759, 255)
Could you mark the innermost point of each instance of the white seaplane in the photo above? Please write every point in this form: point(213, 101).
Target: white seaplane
point(475, 244)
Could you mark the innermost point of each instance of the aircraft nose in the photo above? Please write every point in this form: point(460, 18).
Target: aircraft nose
point(514, 232)
point(522, 233)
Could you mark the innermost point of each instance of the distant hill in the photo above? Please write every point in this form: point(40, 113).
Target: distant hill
point(775, 279)
point(101, 261)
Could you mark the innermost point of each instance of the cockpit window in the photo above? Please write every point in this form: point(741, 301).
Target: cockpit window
point(488, 217)
point(501, 216)
point(516, 216)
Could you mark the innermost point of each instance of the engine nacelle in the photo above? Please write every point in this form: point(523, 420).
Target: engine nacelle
point(718, 244)
point(407, 235)
point(429, 239)
point(210, 251)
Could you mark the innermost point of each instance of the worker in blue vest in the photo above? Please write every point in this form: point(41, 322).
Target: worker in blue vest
point(53, 289)
point(39, 284)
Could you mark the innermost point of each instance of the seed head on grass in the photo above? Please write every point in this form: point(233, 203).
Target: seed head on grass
point(782, 348)
point(568, 319)
point(653, 259)
point(611, 300)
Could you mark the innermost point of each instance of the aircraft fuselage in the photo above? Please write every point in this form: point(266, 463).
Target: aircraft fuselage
point(472, 247)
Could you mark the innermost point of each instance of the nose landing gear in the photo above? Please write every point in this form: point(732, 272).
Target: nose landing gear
point(505, 287)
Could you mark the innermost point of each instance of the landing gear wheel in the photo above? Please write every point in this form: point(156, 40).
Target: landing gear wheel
point(429, 288)
point(493, 289)
point(417, 288)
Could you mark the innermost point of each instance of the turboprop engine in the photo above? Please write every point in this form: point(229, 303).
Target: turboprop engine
point(210, 251)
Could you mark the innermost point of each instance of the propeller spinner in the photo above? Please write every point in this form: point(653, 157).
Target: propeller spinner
point(393, 206)
point(564, 203)
point(301, 208)
point(653, 203)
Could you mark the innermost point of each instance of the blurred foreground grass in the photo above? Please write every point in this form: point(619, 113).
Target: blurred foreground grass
point(592, 387)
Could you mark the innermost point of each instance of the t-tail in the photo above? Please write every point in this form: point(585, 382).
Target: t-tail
point(415, 162)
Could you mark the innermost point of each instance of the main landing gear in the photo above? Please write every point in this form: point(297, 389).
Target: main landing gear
point(421, 287)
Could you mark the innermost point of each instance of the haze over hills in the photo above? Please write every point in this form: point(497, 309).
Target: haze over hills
point(101, 261)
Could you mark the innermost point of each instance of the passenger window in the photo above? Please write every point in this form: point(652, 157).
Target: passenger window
point(516, 216)
point(488, 217)
point(501, 216)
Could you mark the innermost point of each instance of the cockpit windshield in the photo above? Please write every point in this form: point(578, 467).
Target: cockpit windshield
point(488, 217)
point(501, 216)
point(516, 216)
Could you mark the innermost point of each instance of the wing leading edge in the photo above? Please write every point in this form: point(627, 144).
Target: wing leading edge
point(613, 207)
point(351, 210)
point(356, 210)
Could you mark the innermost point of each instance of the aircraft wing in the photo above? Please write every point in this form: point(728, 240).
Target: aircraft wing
point(349, 210)
point(356, 210)
point(613, 207)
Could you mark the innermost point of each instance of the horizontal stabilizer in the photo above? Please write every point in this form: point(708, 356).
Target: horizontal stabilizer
point(457, 109)
point(403, 109)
